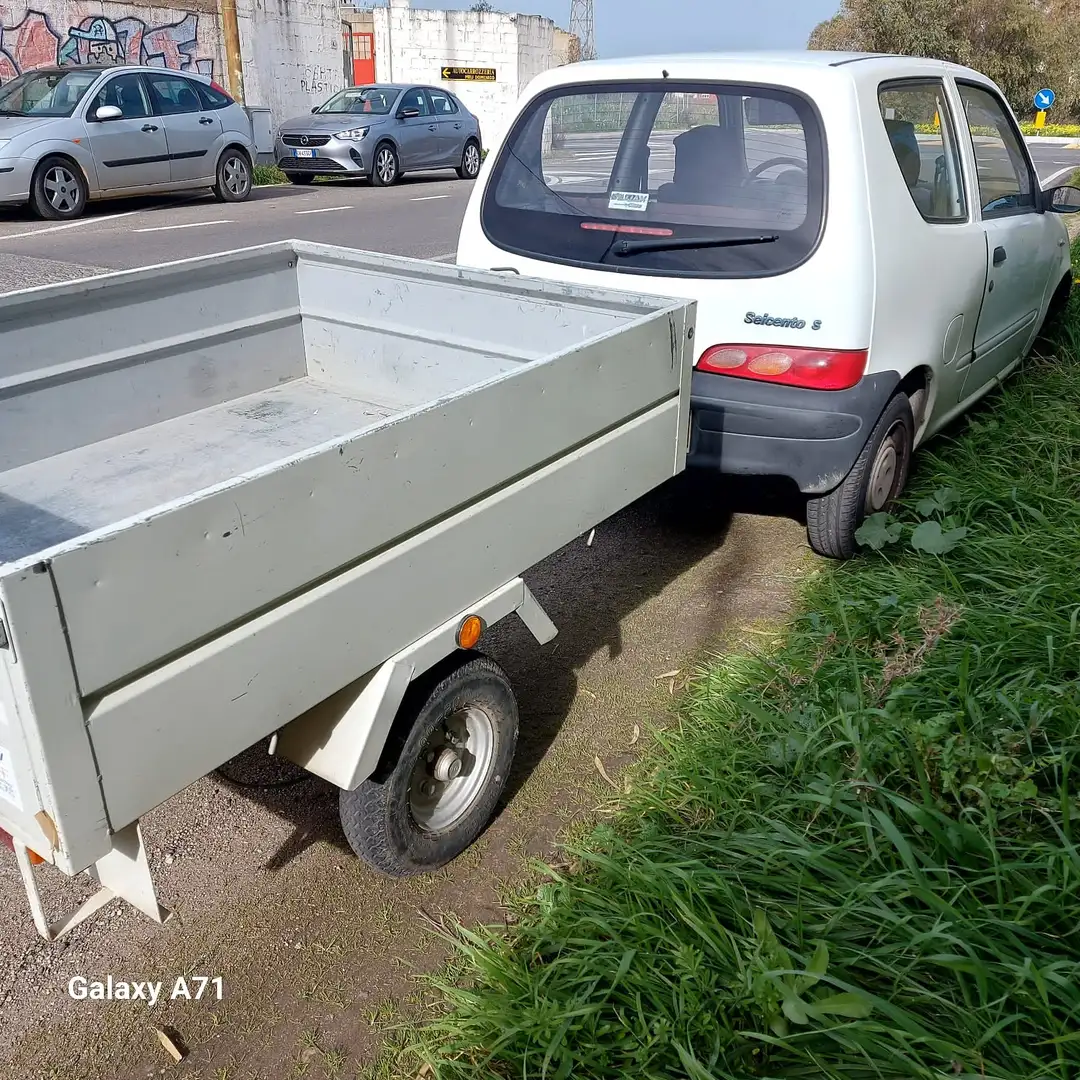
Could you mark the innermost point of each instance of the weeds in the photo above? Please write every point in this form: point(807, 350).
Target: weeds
point(857, 858)
point(267, 175)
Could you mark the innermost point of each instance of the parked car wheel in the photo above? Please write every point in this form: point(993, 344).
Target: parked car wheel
point(233, 176)
point(300, 177)
point(469, 168)
point(876, 480)
point(58, 190)
point(1058, 305)
point(386, 169)
point(443, 771)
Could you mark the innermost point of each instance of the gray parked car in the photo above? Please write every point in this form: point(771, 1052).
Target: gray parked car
point(68, 135)
point(381, 132)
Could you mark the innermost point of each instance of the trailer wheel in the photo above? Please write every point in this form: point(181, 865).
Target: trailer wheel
point(443, 772)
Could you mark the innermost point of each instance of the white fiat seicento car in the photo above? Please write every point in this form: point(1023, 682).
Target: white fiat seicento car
point(866, 237)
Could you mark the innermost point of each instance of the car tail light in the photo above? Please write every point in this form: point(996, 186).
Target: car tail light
point(817, 369)
point(7, 840)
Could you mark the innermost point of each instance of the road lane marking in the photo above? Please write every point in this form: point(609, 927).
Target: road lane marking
point(190, 225)
point(70, 225)
point(444, 258)
point(324, 210)
point(429, 198)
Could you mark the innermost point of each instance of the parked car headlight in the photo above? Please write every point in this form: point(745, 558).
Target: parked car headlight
point(352, 133)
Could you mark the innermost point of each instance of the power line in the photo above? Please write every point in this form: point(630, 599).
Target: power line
point(583, 27)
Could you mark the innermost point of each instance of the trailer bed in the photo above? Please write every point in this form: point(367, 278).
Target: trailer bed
point(231, 486)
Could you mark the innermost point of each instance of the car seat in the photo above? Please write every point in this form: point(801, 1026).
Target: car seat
point(187, 101)
point(905, 146)
point(709, 163)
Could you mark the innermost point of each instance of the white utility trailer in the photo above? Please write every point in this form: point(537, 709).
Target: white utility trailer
point(279, 493)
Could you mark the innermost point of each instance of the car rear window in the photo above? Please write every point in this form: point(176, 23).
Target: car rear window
point(611, 175)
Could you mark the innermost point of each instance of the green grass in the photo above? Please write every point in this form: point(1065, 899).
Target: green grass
point(266, 175)
point(857, 857)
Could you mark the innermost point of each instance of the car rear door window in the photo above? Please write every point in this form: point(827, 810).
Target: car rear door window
point(211, 97)
point(587, 169)
point(173, 96)
point(442, 103)
point(921, 131)
point(1006, 184)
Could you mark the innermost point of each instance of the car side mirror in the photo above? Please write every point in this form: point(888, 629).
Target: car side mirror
point(408, 114)
point(109, 112)
point(1064, 199)
point(314, 108)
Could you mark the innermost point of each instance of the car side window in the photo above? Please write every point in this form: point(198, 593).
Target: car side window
point(212, 98)
point(921, 131)
point(127, 93)
point(416, 99)
point(172, 95)
point(442, 103)
point(1005, 181)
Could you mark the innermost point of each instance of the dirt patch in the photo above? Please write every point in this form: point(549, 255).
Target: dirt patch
point(318, 956)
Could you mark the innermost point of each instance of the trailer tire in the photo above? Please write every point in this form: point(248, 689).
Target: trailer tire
point(431, 797)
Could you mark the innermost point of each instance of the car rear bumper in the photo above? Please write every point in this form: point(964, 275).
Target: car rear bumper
point(335, 156)
point(812, 437)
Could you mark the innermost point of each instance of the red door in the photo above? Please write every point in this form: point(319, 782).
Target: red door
point(363, 59)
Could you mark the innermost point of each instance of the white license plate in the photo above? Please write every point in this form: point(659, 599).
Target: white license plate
point(303, 153)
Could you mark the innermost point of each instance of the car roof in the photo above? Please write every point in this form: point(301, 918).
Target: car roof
point(101, 69)
point(857, 66)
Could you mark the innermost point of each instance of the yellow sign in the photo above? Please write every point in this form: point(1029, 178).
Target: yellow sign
point(1040, 118)
point(468, 74)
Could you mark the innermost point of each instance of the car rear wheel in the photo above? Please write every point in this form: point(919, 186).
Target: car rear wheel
point(300, 177)
point(233, 177)
point(469, 168)
point(875, 482)
point(58, 191)
point(386, 169)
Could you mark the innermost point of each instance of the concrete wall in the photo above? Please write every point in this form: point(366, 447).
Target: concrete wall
point(413, 45)
point(291, 49)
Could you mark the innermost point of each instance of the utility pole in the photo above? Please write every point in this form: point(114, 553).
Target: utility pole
point(583, 27)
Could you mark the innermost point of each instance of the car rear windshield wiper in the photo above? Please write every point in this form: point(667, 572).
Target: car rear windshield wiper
point(635, 247)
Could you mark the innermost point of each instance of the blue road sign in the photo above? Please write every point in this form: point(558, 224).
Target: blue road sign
point(1044, 99)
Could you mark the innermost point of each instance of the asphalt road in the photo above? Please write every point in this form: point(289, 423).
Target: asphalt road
point(418, 218)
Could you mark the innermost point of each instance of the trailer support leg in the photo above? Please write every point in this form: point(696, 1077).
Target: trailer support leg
point(124, 873)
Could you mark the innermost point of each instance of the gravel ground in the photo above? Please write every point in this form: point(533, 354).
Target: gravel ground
point(24, 271)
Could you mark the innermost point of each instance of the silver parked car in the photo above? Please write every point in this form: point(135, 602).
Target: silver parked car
point(68, 135)
point(381, 132)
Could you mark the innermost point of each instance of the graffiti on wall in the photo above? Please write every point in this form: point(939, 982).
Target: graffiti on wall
point(35, 42)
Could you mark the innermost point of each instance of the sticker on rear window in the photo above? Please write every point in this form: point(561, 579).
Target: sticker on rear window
point(9, 789)
point(629, 200)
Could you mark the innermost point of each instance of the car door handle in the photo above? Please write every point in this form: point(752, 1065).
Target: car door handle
point(433, 127)
point(999, 256)
point(149, 127)
point(458, 126)
point(205, 120)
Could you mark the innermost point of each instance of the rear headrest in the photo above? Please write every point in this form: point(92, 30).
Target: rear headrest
point(905, 145)
point(707, 151)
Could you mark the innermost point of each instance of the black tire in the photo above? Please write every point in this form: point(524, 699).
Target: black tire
point(1059, 302)
point(233, 176)
point(876, 480)
point(58, 190)
point(391, 819)
point(385, 166)
point(471, 160)
point(300, 177)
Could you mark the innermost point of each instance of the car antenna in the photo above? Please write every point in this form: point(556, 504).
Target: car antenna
point(665, 73)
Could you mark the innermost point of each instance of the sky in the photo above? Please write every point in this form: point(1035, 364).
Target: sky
point(635, 27)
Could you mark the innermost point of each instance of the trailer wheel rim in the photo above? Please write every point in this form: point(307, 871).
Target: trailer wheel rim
point(472, 160)
point(385, 165)
point(453, 770)
point(61, 189)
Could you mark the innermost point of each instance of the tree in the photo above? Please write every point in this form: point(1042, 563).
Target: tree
point(1021, 44)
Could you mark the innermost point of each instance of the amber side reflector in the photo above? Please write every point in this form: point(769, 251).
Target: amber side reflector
point(469, 632)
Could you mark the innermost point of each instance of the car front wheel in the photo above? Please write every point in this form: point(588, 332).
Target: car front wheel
point(875, 482)
point(386, 169)
point(233, 177)
point(58, 191)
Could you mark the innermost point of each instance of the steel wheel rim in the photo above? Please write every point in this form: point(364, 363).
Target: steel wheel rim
point(885, 471)
point(466, 738)
point(385, 165)
point(235, 175)
point(472, 160)
point(61, 189)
